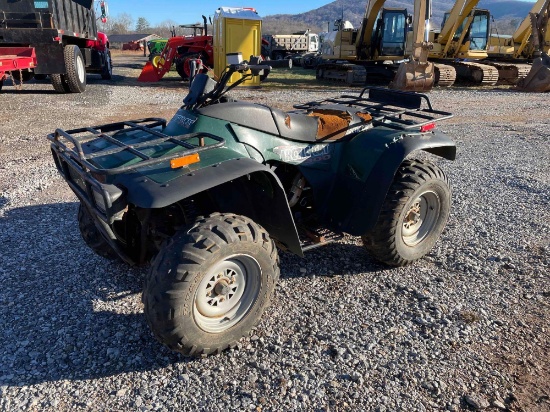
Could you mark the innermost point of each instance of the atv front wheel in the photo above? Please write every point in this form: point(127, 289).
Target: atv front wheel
point(209, 286)
point(413, 216)
point(92, 236)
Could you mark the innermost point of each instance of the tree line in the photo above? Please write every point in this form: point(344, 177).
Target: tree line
point(124, 23)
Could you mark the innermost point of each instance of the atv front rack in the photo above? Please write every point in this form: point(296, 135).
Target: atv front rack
point(145, 130)
point(391, 108)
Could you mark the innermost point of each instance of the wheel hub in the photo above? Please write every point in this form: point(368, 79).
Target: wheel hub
point(226, 293)
point(413, 216)
point(421, 218)
point(220, 289)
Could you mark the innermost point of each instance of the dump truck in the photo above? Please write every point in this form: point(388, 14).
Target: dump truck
point(58, 38)
point(280, 46)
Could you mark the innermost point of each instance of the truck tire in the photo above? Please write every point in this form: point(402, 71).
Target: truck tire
point(209, 286)
point(107, 69)
point(59, 83)
point(91, 235)
point(76, 69)
point(413, 216)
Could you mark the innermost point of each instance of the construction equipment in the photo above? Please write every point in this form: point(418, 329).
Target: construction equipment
point(177, 51)
point(207, 196)
point(58, 38)
point(376, 50)
point(530, 43)
point(459, 45)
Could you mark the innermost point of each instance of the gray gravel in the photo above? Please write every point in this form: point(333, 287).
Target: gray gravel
point(466, 328)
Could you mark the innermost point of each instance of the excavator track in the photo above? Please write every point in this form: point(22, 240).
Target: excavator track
point(476, 73)
point(445, 75)
point(510, 73)
point(351, 74)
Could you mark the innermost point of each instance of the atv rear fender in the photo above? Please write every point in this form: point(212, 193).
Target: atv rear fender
point(371, 193)
point(243, 186)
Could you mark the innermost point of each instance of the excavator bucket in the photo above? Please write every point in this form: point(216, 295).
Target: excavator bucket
point(149, 74)
point(414, 76)
point(538, 79)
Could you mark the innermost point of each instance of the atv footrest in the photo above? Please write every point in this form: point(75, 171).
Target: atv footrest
point(312, 238)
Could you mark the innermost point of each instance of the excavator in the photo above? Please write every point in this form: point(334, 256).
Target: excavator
point(529, 43)
point(384, 48)
point(460, 44)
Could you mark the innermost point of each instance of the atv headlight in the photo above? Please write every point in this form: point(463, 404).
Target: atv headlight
point(99, 200)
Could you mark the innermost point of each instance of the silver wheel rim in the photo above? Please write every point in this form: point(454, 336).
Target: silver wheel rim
point(80, 71)
point(420, 219)
point(226, 293)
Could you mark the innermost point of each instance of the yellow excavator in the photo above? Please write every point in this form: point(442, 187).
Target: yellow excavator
point(460, 44)
point(529, 43)
point(384, 47)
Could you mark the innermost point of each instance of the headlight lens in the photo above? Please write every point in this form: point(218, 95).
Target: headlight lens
point(99, 200)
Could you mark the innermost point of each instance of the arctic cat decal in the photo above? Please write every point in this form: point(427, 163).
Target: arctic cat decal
point(185, 121)
point(300, 154)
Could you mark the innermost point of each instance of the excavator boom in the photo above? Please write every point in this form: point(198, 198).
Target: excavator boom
point(417, 74)
point(538, 79)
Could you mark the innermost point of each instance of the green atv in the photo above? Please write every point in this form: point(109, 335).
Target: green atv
point(212, 194)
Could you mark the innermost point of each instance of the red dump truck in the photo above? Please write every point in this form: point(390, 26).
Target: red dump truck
point(55, 38)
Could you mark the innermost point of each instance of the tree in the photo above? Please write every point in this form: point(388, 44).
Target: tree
point(142, 25)
point(121, 24)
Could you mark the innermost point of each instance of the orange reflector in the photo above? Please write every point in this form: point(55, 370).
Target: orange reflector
point(427, 127)
point(184, 161)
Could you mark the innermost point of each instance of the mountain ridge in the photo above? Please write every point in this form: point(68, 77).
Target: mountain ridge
point(507, 13)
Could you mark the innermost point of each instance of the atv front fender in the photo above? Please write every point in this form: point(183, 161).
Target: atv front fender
point(243, 186)
point(366, 210)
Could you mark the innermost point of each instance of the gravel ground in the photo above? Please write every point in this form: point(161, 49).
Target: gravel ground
point(465, 328)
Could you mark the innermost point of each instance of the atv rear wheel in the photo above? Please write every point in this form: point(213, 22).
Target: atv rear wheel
point(92, 236)
point(209, 286)
point(413, 216)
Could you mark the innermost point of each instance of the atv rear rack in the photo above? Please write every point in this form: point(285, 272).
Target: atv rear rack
point(391, 108)
point(148, 136)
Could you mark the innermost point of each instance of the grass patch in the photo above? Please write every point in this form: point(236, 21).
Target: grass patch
point(297, 77)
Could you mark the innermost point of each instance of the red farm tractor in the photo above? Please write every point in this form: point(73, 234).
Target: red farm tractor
point(178, 51)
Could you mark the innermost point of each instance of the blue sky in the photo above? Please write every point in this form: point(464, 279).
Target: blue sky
point(184, 12)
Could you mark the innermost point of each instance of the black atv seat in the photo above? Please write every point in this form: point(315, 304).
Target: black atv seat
point(297, 126)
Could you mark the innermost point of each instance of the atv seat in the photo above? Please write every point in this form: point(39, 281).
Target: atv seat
point(315, 125)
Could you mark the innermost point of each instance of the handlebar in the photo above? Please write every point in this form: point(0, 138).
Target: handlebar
point(246, 67)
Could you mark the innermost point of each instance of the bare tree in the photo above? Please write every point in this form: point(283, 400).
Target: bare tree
point(121, 24)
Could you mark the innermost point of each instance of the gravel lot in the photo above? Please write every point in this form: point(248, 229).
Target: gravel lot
point(466, 328)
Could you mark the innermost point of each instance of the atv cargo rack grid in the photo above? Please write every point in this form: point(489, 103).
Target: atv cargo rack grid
point(148, 136)
point(391, 108)
point(89, 181)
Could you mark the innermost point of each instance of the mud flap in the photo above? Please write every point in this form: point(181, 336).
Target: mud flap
point(538, 79)
point(149, 74)
point(414, 76)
